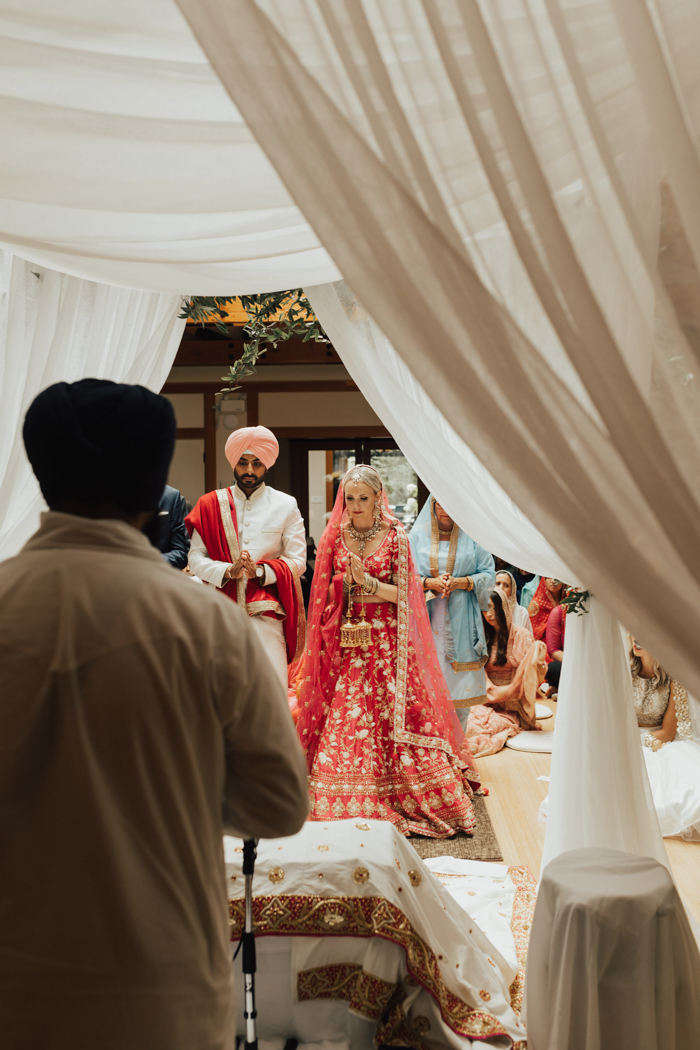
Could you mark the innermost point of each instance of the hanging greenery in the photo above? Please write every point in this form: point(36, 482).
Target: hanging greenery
point(575, 601)
point(272, 318)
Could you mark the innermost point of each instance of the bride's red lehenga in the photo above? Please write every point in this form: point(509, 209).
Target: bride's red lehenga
point(378, 726)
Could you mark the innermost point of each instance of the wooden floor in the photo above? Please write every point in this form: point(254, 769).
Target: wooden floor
point(514, 798)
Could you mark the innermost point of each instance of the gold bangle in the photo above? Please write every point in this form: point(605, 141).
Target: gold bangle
point(470, 583)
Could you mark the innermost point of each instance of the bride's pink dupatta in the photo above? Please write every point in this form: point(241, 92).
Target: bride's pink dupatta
point(322, 656)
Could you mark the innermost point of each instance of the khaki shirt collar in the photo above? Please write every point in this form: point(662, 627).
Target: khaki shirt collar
point(61, 531)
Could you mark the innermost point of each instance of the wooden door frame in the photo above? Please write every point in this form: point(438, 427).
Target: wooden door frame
point(310, 441)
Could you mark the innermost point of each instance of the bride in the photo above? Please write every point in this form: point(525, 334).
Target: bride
point(375, 716)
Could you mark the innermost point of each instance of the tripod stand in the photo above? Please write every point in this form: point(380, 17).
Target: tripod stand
point(248, 945)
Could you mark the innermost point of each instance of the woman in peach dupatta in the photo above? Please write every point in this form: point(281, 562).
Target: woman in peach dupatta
point(515, 670)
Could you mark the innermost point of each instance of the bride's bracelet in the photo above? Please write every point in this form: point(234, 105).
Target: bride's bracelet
point(653, 742)
point(370, 584)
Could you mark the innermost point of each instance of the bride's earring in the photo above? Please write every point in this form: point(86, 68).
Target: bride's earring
point(377, 511)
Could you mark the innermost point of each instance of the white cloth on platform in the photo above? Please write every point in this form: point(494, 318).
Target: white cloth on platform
point(139, 717)
point(388, 926)
point(269, 526)
point(612, 961)
point(487, 892)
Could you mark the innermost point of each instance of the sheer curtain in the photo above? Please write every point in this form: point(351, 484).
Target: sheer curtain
point(490, 178)
point(52, 328)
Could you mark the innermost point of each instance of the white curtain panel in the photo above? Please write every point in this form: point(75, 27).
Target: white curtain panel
point(125, 161)
point(490, 178)
point(57, 328)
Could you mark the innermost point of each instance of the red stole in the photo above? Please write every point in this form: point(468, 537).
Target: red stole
point(214, 518)
point(539, 609)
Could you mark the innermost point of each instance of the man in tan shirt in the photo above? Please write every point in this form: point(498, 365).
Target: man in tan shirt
point(139, 717)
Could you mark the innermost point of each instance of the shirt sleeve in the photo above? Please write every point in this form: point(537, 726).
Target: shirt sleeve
point(202, 565)
point(179, 541)
point(265, 791)
point(294, 539)
point(270, 576)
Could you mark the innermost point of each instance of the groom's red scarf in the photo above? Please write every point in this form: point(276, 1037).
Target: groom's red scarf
point(280, 600)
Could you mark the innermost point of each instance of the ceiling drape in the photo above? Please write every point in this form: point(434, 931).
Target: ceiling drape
point(490, 181)
point(125, 161)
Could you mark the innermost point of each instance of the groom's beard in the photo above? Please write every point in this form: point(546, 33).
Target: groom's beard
point(249, 482)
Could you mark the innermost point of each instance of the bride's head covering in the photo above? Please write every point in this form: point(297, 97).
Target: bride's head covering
point(323, 655)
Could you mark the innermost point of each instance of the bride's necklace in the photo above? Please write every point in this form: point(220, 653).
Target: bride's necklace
point(364, 537)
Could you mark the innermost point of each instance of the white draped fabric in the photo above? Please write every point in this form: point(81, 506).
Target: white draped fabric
point(490, 179)
point(53, 328)
point(125, 161)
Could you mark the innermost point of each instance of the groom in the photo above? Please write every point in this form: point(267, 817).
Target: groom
point(249, 541)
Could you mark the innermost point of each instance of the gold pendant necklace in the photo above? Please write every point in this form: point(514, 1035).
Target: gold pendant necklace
point(363, 538)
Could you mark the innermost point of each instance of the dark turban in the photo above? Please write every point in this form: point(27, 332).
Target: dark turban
point(96, 440)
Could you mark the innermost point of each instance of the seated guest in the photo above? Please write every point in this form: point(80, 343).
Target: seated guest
point(671, 754)
point(505, 581)
point(515, 670)
point(173, 541)
point(556, 627)
point(528, 591)
point(660, 702)
point(457, 577)
point(140, 717)
point(521, 578)
point(548, 594)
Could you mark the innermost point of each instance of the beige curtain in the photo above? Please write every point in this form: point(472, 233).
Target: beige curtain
point(491, 178)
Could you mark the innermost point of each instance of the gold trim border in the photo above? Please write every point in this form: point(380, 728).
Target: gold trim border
point(232, 540)
point(258, 608)
point(310, 915)
point(521, 924)
point(366, 994)
point(470, 665)
point(461, 704)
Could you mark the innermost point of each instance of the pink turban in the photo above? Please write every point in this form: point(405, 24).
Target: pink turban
point(258, 440)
